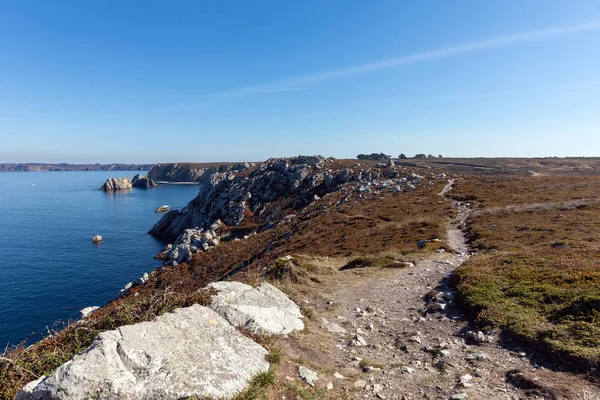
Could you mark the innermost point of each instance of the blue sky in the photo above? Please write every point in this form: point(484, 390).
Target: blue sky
point(157, 81)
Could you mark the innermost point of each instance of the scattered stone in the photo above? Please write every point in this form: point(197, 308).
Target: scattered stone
point(329, 385)
point(143, 279)
point(465, 380)
point(332, 327)
point(377, 389)
point(477, 337)
point(477, 356)
point(307, 375)
point(358, 341)
point(338, 375)
point(360, 384)
point(264, 309)
point(87, 311)
point(174, 356)
point(415, 339)
point(407, 370)
point(459, 396)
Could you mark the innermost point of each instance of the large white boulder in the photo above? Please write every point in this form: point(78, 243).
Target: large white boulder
point(190, 352)
point(264, 309)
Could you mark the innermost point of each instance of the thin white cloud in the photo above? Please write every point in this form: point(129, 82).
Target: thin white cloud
point(301, 81)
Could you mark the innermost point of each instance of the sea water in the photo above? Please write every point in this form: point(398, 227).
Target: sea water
point(49, 267)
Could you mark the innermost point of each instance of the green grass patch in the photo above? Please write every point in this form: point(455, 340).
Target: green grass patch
point(548, 296)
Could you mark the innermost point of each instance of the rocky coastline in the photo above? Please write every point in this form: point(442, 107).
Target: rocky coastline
point(37, 167)
point(247, 199)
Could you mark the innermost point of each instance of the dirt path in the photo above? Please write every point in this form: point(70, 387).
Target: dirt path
point(415, 339)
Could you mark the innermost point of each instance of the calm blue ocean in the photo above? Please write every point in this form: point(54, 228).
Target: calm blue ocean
point(49, 268)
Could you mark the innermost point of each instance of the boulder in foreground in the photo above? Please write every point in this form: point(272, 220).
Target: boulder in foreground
point(263, 309)
point(190, 352)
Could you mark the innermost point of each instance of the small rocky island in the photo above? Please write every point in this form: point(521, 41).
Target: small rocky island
point(143, 182)
point(138, 181)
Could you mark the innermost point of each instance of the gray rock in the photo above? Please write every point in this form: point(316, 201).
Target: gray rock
point(477, 337)
point(114, 184)
point(465, 380)
point(307, 375)
point(143, 182)
point(87, 311)
point(358, 341)
point(190, 352)
point(97, 239)
point(264, 309)
point(360, 384)
point(143, 279)
point(477, 356)
point(332, 327)
point(178, 172)
point(228, 195)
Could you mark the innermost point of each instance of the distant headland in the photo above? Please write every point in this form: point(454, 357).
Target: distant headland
point(37, 167)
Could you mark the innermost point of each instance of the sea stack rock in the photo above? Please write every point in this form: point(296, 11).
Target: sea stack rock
point(143, 182)
point(97, 239)
point(162, 209)
point(113, 184)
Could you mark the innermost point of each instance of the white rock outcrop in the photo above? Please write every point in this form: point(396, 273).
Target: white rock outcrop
point(190, 352)
point(88, 310)
point(264, 309)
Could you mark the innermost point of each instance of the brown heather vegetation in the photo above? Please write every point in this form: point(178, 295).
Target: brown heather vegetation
point(385, 226)
point(537, 273)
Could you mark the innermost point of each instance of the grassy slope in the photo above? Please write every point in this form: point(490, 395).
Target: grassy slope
point(538, 275)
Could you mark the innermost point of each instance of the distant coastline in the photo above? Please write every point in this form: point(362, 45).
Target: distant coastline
point(42, 167)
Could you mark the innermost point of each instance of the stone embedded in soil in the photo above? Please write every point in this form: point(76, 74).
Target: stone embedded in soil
point(307, 375)
point(360, 384)
point(476, 356)
point(477, 337)
point(332, 326)
point(358, 341)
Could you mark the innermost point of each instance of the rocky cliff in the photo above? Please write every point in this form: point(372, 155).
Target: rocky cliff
point(234, 203)
point(191, 173)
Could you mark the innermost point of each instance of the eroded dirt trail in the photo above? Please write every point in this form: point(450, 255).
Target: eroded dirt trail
point(414, 340)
